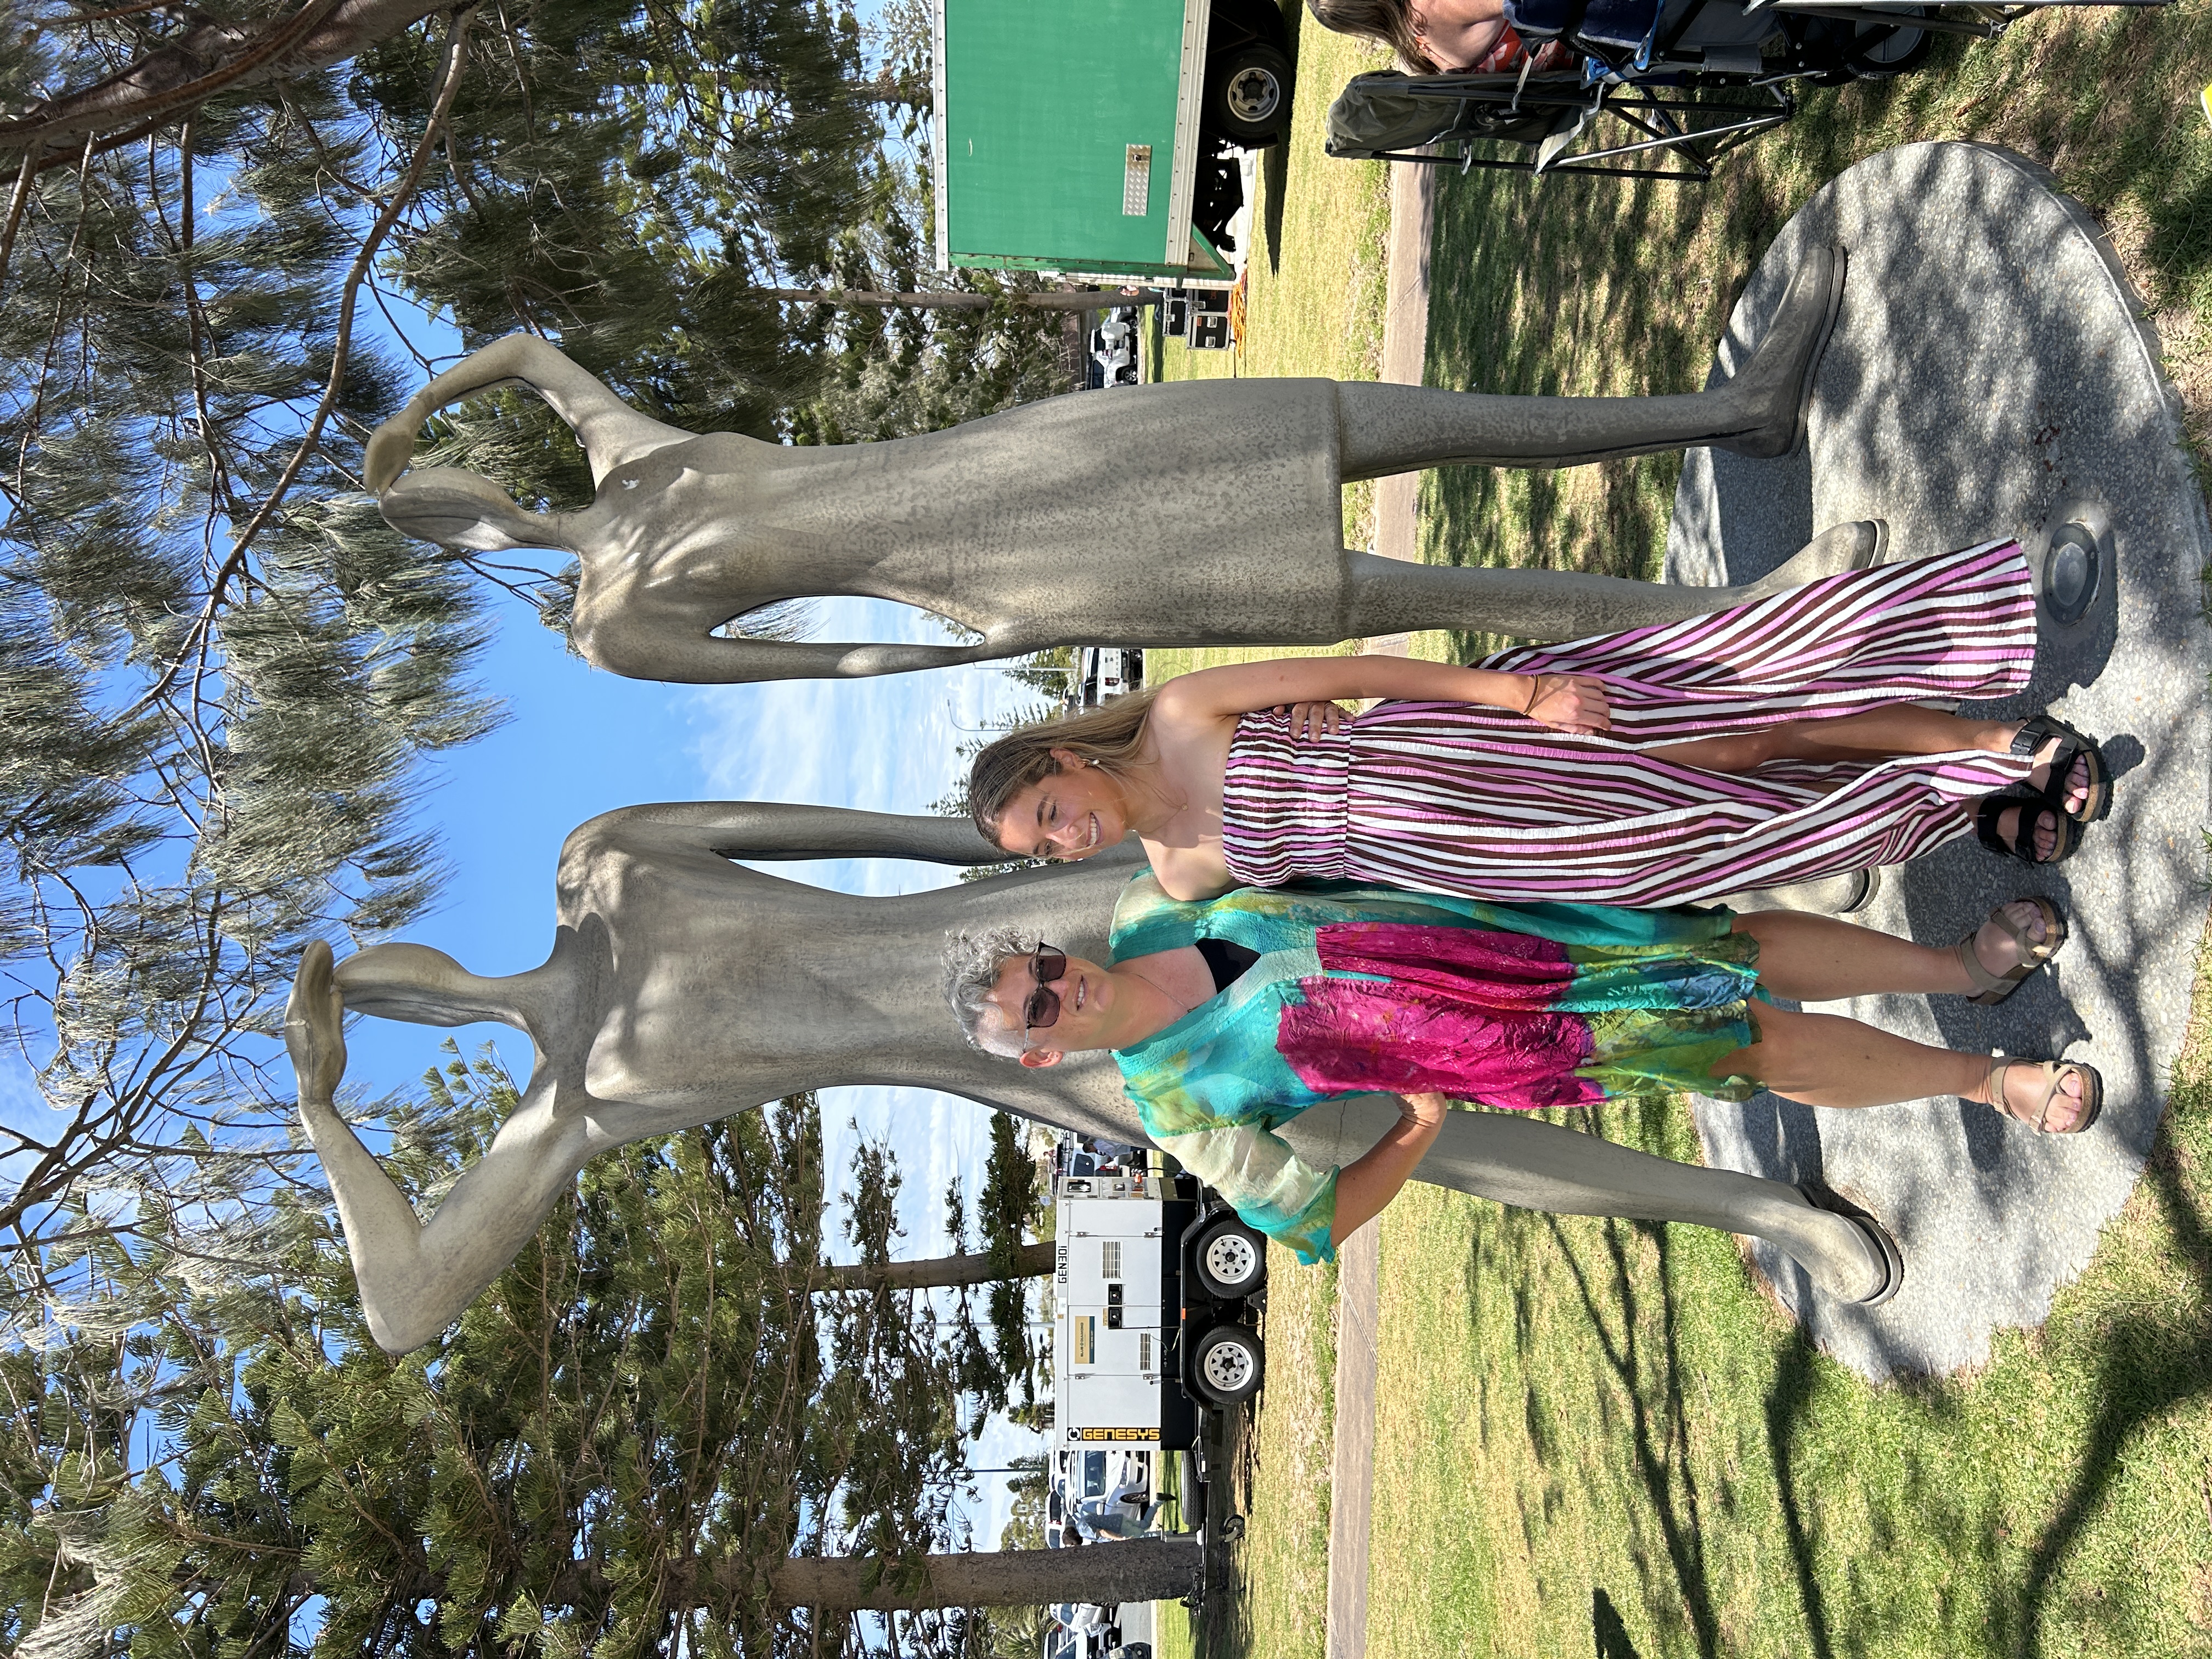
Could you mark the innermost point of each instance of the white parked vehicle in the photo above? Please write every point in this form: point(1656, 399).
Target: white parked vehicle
point(1114, 350)
point(1103, 672)
point(1150, 1287)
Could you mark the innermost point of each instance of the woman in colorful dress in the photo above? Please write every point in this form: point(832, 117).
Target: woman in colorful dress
point(1781, 741)
point(1230, 1016)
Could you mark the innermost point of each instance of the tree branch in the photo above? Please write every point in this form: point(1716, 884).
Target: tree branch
point(1030, 1262)
point(212, 56)
point(963, 300)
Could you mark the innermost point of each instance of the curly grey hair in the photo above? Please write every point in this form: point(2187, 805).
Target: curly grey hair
point(972, 965)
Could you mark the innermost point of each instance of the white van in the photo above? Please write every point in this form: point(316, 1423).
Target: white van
point(1151, 1318)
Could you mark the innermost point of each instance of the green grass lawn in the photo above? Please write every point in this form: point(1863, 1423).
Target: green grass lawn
point(1598, 1436)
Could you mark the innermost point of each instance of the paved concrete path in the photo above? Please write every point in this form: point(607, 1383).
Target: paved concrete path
point(1352, 1462)
point(1987, 365)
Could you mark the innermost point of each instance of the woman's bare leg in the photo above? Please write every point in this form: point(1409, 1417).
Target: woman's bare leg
point(1881, 733)
point(1822, 1060)
point(1903, 728)
point(1812, 958)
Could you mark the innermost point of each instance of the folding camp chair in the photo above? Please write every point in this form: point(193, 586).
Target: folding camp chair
point(1388, 117)
point(1681, 83)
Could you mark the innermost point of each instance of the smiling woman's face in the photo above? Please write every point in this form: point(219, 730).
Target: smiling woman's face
point(1075, 813)
point(1088, 999)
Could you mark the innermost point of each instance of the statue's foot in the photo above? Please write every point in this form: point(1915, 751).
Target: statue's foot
point(1776, 386)
point(1875, 1270)
point(1859, 544)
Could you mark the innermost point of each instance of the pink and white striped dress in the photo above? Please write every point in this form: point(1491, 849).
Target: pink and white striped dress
point(1450, 798)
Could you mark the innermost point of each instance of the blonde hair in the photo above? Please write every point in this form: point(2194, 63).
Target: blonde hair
point(1108, 736)
point(1389, 21)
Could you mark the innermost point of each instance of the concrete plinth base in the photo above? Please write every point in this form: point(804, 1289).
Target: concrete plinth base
point(1989, 367)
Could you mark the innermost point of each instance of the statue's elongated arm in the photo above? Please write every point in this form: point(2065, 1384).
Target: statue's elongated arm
point(758, 830)
point(700, 659)
point(763, 830)
point(611, 431)
point(415, 1278)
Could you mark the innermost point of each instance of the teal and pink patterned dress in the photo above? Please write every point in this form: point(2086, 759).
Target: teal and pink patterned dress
point(1367, 990)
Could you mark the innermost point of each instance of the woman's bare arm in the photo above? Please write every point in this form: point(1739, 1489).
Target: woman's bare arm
point(1366, 1186)
point(1571, 703)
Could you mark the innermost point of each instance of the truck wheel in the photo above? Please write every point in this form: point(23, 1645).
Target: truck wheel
point(1248, 96)
point(1232, 1259)
point(1224, 1364)
point(1878, 53)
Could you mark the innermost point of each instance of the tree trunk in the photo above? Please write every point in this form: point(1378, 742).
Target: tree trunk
point(1139, 1570)
point(959, 300)
point(1030, 1262)
point(213, 56)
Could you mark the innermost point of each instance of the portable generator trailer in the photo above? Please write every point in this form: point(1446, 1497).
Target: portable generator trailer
point(1153, 1286)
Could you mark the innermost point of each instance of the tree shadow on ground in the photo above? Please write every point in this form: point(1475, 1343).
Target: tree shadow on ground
point(1658, 1418)
point(1224, 1626)
point(2146, 1368)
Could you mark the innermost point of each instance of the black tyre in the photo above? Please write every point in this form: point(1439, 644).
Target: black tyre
point(1880, 51)
point(1231, 1259)
point(1225, 1364)
point(1248, 96)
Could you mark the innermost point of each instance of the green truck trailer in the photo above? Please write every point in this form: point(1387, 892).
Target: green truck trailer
point(1098, 138)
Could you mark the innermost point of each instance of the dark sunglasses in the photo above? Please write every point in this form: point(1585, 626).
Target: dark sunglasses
point(1043, 1006)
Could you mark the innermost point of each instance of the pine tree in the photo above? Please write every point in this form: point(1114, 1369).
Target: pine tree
point(647, 1432)
point(219, 672)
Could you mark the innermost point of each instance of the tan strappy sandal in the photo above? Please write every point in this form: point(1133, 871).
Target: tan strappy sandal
point(2054, 1073)
point(1995, 988)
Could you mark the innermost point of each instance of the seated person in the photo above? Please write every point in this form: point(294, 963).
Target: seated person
point(1229, 1016)
point(1441, 37)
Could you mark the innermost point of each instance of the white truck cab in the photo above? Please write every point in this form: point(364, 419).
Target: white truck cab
point(1151, 1318)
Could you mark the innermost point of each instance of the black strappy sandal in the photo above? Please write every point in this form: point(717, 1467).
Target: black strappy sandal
point(2072, 746)
point(2033, 804)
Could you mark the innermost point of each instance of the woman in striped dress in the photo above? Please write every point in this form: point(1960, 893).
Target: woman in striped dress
point(1783, 741)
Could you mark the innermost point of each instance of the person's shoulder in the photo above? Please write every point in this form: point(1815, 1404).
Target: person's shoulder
point(1146, 918)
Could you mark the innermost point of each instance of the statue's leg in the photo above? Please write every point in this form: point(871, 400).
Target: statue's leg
point(1391, 596)
point(1540, 1166)
point(416, 1277)
point(1760, 412)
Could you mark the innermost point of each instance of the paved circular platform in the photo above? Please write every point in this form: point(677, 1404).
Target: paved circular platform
point(1989, 367)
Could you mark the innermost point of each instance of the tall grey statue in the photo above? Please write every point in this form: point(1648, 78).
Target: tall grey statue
point(1200, 512)
point(683, 987)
